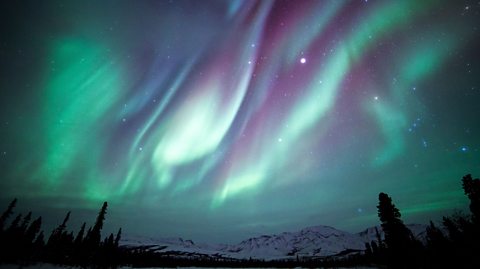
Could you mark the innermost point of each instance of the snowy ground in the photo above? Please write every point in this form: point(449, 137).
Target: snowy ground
point(52, 266)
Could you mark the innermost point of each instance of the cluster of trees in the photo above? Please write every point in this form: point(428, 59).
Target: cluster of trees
point(24, 240)
point(456, 244)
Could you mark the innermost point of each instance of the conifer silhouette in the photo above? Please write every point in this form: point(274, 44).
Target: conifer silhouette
point(33, 230)
point(398, 238)
point(95, 234)
point(79, 238)
point(15, 224)
point(117, 238)
point(471, 188)
point(6, 214)
point(25, 222)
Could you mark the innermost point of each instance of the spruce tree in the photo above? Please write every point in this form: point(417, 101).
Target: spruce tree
point(471, 188)
point(95, 234)
point(79, 238)
point(33, 230)
point(26, 221)
point(40, 240)
point(117, 238)
point(397, 235)
point(6, 214)
point(110, 241)
point(57, 233)
point(15, 223)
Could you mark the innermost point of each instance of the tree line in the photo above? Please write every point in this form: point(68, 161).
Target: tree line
point(24, 241)
point(454, 244)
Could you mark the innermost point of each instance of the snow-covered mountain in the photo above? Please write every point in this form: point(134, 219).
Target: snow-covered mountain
point(317, 241)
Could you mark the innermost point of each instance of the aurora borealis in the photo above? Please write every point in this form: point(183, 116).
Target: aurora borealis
point(217, 120)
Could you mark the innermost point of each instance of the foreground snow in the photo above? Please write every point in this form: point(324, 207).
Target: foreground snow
point(52, 266)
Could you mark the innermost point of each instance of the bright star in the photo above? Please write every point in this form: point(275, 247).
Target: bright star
point(303, 60)
point(376, 97)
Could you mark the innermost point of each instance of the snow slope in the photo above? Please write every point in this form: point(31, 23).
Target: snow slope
point(317, 241)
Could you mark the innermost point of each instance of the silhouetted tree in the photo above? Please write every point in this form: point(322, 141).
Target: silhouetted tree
point(56, 235)
point(33, 230)
point(471, 188)
point(110, 241)
point(398, 238)
point(79, 238)
point(117, 238)
point(25, 222)
point(40, 241)
point(95, 234)
point(15, 224)
point(6, 214)
point(88, 235)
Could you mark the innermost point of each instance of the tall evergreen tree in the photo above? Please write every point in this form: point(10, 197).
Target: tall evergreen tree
point(26, 221)
point(397, 235)
point(95, 235)
point(117, 238)
point(33, 230)
point(6, 214)
point(79, 238)
point(88, 235)
point(15, 223)
point(63, 226)
point(110, 241)
point(471, 188)
point(57, 233)
point(40, 240)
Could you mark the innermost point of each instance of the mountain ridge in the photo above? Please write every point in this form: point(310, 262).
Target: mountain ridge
point(311, 242)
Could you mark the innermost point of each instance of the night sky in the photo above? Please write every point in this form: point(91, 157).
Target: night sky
point(220, 120)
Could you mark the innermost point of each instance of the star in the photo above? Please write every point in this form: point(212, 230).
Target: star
point(280, 139)
point(424, 143)
point(376, 98)
point(464, 149)
point(303, 60)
